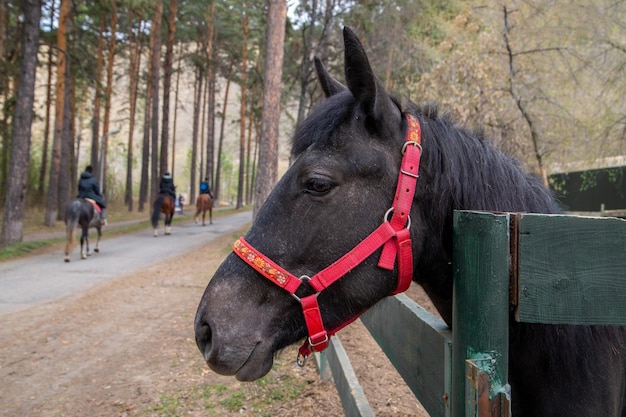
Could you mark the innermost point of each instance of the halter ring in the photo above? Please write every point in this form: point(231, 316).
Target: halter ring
point(386, 217)
point(301, 360)
point(303, 278)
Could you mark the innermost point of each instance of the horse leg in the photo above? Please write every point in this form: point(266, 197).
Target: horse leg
point(211, 215)
point(97, 248)
point(68, 249)
point(156, 232)
point(87, 241)
point(168, 224)
point(69, 240)
point(84, 244)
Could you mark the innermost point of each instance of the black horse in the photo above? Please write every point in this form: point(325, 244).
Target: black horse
point(346, 159)
point(81, 212)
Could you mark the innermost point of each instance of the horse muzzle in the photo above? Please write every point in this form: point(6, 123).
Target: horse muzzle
point(225, 353)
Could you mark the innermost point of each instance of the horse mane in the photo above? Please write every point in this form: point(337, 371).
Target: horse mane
point(461, 167)
point(465, 168)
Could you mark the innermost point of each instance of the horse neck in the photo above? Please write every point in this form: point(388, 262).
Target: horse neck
point(462, 172)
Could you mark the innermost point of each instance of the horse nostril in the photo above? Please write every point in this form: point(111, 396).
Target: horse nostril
point(203, 337)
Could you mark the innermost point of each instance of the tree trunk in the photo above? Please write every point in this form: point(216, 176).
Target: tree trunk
point(221, 140)
point(268, 148)
point(144, 186)
point(180, 61)
point(255, 158)
point(210, 145)
point(242, 113)
point(107, 101)
point(135, 61)
point(535, 136)
point(66, 138)
point(74, 142)
point(305, 66)
point(46, 135)
point(205, 93)
point(97, 100)
point(210, 141)
point(167, 84)
point(247, 194)
point(194, 132)
point(17, 182)
point(52, 203)
point(154, 83)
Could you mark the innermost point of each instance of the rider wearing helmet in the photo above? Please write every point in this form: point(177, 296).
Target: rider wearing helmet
point(205, 188)
point(88, 187)
point(166, 186)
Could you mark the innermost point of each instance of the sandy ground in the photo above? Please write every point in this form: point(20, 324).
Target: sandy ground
point(126, 348)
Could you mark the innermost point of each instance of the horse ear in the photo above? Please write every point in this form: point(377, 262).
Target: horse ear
point(364, 84)
point(329, 84)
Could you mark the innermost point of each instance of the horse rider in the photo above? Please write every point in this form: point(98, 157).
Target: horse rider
point(205, 188)
point(88, 187)
point(167, 187)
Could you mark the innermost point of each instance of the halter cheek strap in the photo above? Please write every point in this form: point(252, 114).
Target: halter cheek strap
point(393, 235)
point(402, 202)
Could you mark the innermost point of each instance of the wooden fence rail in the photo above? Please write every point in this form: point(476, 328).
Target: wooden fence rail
point(553, 269)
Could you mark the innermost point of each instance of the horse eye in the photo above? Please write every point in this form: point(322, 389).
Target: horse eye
point(318, 187)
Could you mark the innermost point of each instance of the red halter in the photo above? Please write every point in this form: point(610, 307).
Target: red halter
point(393, 235)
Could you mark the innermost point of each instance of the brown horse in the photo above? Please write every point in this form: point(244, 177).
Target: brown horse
point(163, 204)
point(204, 203)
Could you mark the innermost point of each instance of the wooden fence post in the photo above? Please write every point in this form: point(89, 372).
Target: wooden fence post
point(480, 315)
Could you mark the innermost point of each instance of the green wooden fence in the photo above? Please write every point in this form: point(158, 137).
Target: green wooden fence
point(553, 269)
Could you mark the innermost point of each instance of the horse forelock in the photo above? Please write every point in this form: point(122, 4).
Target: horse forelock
point(322, 121)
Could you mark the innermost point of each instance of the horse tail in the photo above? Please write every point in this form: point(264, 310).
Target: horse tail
point(158, 203)
point(72, 214)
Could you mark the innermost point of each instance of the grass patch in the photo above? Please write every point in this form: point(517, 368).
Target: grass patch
point(18, 250)
point(167, 407)
point(260, 398)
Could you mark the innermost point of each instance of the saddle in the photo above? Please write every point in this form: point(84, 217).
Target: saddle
point(94, 204)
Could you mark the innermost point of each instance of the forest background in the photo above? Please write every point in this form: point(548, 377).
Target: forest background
point(139, 87)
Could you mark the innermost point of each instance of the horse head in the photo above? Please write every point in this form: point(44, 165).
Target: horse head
point(346, 158)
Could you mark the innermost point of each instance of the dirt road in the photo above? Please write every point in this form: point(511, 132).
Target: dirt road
point(31, 281)
point(80, 341)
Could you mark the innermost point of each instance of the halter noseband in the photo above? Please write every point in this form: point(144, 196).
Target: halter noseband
point(393, 235)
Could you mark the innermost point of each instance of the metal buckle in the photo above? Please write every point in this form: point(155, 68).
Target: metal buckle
point(313, 345)
point(410, 174)
point(412, 143)
point(388, 212)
